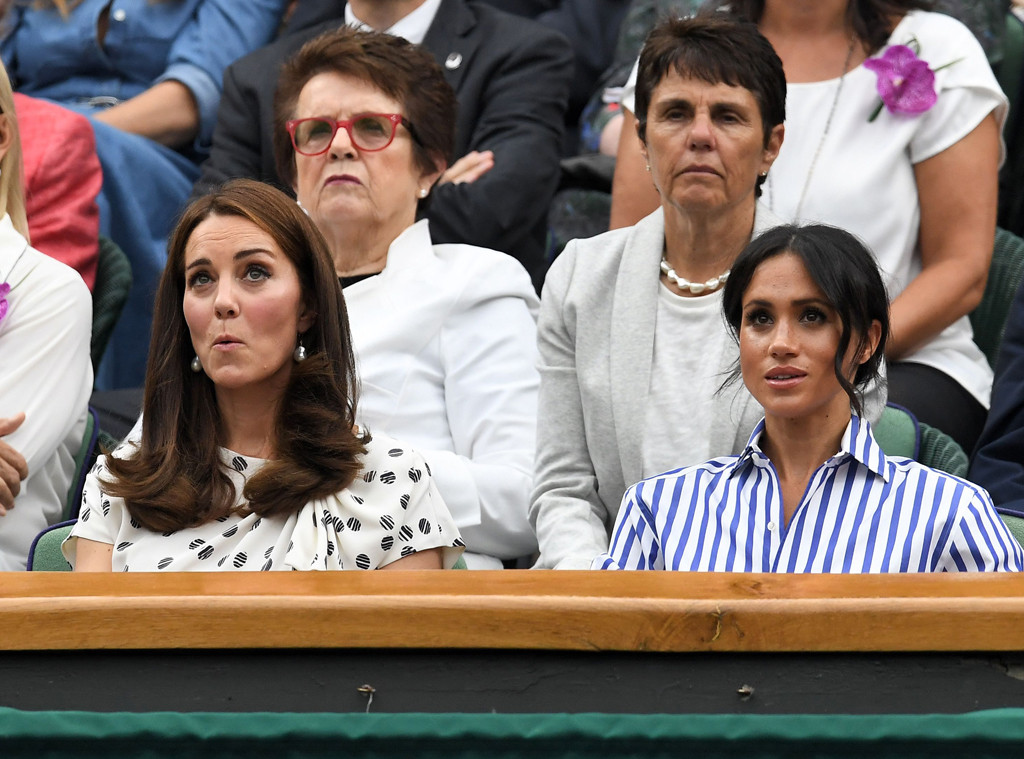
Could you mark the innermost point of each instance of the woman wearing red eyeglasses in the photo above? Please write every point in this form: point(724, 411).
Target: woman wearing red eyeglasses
point(444, 335)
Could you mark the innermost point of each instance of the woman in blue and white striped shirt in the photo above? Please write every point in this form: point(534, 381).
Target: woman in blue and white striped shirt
point(813, 491)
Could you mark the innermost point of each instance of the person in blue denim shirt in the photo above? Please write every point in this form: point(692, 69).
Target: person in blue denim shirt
point(148, 74)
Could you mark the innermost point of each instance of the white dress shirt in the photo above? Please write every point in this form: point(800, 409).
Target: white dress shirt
point(412, 27)
point(47, 373)
point(862, 511)
point(446, 351)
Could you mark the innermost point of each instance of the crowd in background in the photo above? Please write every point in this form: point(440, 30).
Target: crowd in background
point(501, 367)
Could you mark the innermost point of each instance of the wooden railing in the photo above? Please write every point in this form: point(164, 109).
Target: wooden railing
point(584, 611)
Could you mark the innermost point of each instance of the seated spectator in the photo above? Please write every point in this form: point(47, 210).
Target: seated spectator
point(923, 177)
point(249, 458)
point(998, 462)
point(444, 335)
point(511, 78)
point(148, 74)
point(631, 337)
point(812, 491)
point(62, 180)
point(45, 323)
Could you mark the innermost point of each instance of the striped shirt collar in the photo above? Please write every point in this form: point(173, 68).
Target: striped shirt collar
point(858, 443)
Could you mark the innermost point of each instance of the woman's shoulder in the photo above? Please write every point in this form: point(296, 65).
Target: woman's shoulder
point(36, 278)
point(386, 455)
point(463, 276)
point(666, 482)
point(936, 480)
point(593, 262)
point(460, 261)
point(935, 33)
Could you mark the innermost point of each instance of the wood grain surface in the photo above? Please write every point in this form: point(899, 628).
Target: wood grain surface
point(539, 610)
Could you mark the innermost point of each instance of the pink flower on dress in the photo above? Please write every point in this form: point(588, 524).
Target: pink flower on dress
point(4, 305)
point(906, 84)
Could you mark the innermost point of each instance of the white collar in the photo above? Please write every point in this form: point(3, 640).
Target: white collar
point(412, 27)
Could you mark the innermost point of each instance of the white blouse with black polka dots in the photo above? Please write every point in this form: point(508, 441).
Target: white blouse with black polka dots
point(391, 510)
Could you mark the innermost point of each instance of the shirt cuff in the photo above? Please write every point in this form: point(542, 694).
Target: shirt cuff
point(206, 93)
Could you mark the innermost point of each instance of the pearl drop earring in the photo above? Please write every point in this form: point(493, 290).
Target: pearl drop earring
point(197, 365)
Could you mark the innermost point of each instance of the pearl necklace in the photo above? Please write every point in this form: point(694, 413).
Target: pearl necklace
point(697, 288)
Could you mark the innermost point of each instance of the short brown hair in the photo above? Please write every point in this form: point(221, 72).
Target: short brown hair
point(716, 49)
point(174, 478)
point(403, 71)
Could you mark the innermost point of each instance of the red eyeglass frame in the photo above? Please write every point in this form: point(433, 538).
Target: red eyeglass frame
point(346, 124)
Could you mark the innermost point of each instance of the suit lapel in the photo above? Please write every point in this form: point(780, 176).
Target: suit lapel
point(449, 41)
point(634, 314)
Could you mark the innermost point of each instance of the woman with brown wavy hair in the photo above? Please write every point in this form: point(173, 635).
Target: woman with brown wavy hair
point(249, 457)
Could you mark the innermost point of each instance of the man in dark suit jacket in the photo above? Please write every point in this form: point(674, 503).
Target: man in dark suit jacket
point(998, 464)
point(511, 77)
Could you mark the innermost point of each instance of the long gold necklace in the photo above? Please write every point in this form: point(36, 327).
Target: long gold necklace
point(821, 141)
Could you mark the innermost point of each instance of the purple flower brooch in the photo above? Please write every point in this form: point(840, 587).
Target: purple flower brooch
point(906, 84)
point(4, 305)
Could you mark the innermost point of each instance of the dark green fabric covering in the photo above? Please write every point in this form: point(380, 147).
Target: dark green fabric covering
point(940, 451)
point(897, 432)
point(47, 556)
point(1015, 525)
point(46, 735)
point(113, 281)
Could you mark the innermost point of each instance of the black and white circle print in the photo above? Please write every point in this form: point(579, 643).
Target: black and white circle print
point(357, 499)
point(386, 543)
point(239, 464)
point(256, 524)
point(354, 524)
point(387, 477)
point(407, 550)
point(84, 516)
point(196, 543)
point(105, 505)
point(369, 475)
point(415, 474)
point(363, 561)
point(266, 567)
point(395, 453)
point(123, 545)
point(405, 533)
point(165, 562)
point(206, 553)
point(387, 522)
point(424, 525)
point(240, 558)
point(134, 523)
point(404, 501)
point(230, 531)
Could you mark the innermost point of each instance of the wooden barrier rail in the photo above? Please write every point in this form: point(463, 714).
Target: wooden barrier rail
point(535, 610)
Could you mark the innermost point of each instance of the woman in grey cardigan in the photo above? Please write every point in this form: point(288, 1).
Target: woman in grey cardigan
point(633, 344)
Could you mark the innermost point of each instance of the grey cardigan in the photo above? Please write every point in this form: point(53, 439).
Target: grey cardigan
point(596, 341)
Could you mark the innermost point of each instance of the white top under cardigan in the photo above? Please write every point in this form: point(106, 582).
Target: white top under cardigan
point(446, 348)
point(864, 177)
point(47, 373)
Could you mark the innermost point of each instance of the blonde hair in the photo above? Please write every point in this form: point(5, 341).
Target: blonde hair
point(12, 196)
